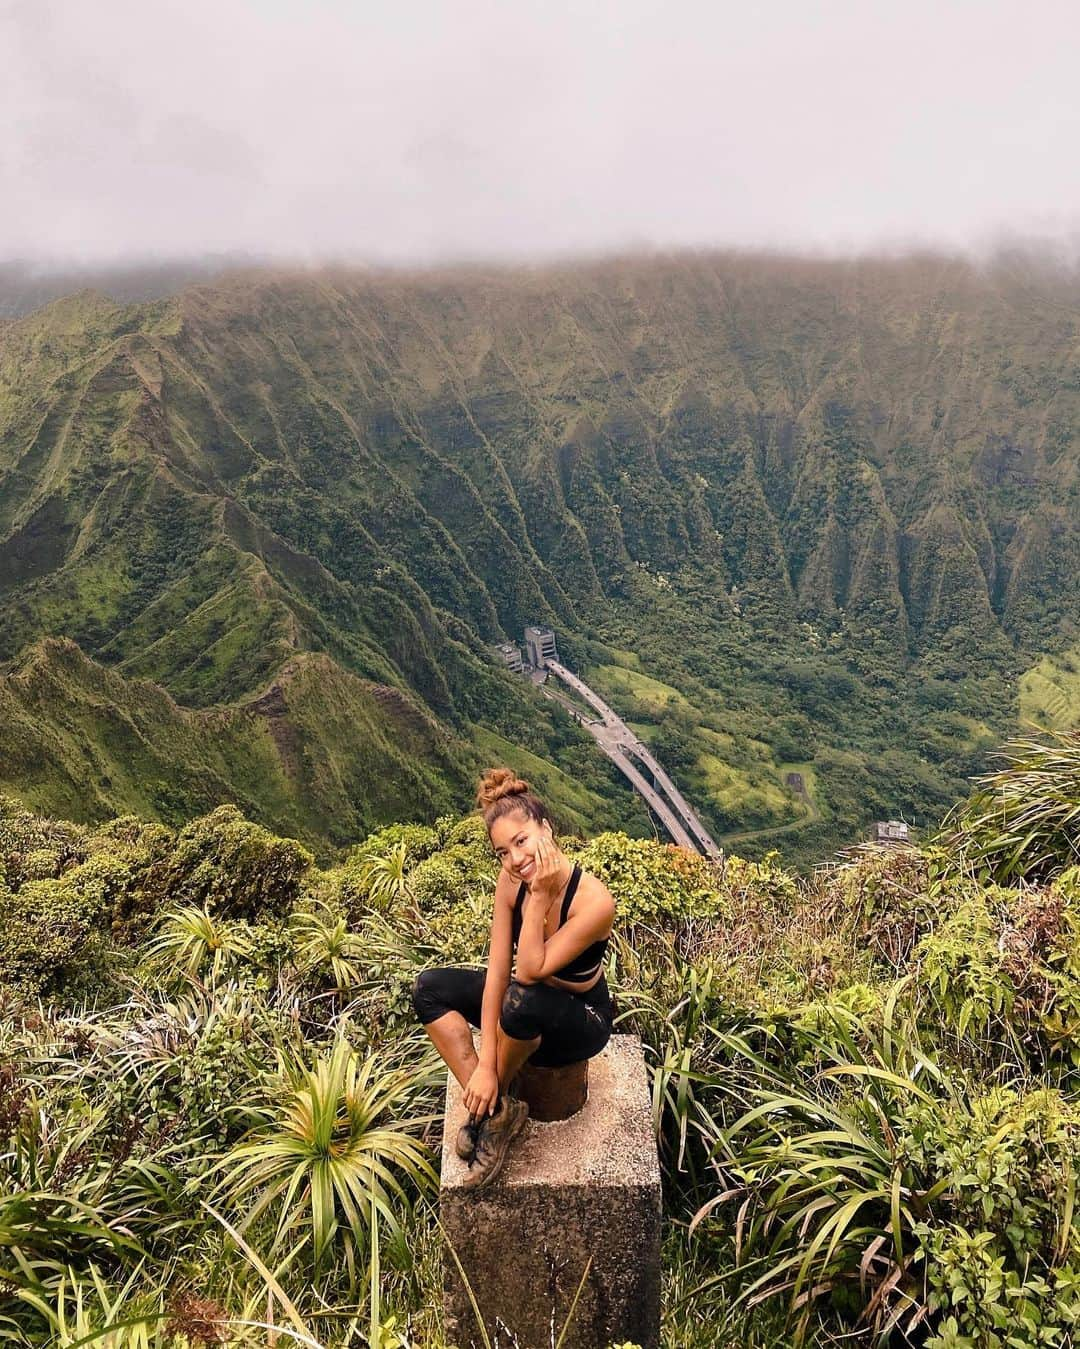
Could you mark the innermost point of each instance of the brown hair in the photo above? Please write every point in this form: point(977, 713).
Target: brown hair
point(501, 792)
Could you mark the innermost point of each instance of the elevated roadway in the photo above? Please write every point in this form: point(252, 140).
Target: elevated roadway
point(619, 743)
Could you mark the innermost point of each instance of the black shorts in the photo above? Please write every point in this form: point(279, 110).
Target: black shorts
point(571, 1026)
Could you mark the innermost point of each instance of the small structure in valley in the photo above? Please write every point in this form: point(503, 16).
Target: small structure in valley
point(889, 833)
point(575, 1214)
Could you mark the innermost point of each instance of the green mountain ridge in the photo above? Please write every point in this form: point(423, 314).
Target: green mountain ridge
point(318, 748)
point(751, 471)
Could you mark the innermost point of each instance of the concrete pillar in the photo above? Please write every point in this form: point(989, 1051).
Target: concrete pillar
point(575, 1189)
point(553, 1093)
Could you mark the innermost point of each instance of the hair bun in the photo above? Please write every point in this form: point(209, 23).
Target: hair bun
point(497, 783)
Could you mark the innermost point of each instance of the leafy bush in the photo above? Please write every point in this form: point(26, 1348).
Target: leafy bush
point(465, 831)
point(449, 877)
point(23, 835)
point(885, 894)
point(438, 884)
point(238, 868)
point(146, 849)
point(1000, 1252)
point(1008, 959)
point(655, 882)
point(55, 931)
point(420, 841)
point(375, 870)
point(461, 932)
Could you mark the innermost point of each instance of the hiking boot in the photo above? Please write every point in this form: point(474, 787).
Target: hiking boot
point(497, 1132)
point(465, 1143)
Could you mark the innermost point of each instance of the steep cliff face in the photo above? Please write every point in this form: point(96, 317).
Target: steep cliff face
point(395, 470)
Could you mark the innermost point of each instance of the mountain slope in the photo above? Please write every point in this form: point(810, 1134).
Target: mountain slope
point(727, 464)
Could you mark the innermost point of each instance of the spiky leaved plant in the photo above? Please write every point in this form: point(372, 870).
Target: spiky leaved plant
point(333, 1156)
point(1023, 822)
point(386, 880)
point(190, 937)
point(325, 945)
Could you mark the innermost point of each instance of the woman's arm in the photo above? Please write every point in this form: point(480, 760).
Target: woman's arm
point(481, 1093)
point(498, 970)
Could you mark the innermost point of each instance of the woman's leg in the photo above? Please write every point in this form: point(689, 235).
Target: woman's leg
point(552, 1024)
point(447, 1003)
point(511, 1054)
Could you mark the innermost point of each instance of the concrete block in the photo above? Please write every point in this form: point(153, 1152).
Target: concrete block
point(587, 1186)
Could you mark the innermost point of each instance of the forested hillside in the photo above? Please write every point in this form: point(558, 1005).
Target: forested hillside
point(784, 513)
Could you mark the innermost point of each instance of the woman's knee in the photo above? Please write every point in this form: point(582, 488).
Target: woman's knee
point(446, 988)
point(520, 1013)
point(428, 1002)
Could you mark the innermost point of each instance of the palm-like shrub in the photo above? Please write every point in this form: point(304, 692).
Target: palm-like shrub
point(385, 879)
point(1024, 821)
point(332, 1156)
point(191, 938)
point(326, 946)
point(682, 1052)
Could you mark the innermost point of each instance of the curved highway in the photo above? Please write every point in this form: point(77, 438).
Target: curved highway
point(618, 742)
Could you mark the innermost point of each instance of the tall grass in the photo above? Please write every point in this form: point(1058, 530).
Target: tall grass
point(1024, 819)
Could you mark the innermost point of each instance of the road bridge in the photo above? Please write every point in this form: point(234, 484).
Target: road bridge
point(707, 843)
point(608, 740)
point(620, 744)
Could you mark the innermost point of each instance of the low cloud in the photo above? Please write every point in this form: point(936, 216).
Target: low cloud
point(420, 130)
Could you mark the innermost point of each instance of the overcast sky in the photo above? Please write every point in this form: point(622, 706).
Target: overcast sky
point(419, 129)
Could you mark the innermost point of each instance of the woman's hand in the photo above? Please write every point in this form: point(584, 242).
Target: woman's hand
point(481, 1092)
point(547, 879)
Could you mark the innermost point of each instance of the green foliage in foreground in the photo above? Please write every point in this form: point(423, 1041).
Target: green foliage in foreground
point(218, 1122)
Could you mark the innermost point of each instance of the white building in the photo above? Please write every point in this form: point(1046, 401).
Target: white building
point(511, 655)
point(540, 646)
point(889, 832)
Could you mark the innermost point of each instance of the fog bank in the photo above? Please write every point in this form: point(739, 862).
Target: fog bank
point(426, 131)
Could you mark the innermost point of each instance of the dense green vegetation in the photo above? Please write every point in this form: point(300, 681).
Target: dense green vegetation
point(216, 1115)
point(833, 506)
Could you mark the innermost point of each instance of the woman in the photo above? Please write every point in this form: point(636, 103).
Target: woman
point(550, 1003)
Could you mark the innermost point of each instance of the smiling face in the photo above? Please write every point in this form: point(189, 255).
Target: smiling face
point(514, 837)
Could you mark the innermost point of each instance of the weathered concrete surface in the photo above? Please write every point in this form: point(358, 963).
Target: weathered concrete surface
point(588, 1186)
point(553, 1093)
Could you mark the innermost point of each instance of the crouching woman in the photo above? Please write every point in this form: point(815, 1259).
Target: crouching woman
point(543, 996)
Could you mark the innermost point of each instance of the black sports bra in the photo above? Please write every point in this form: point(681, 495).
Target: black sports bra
point(587, 962)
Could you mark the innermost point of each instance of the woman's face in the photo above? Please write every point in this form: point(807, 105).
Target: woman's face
point(514, 837)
